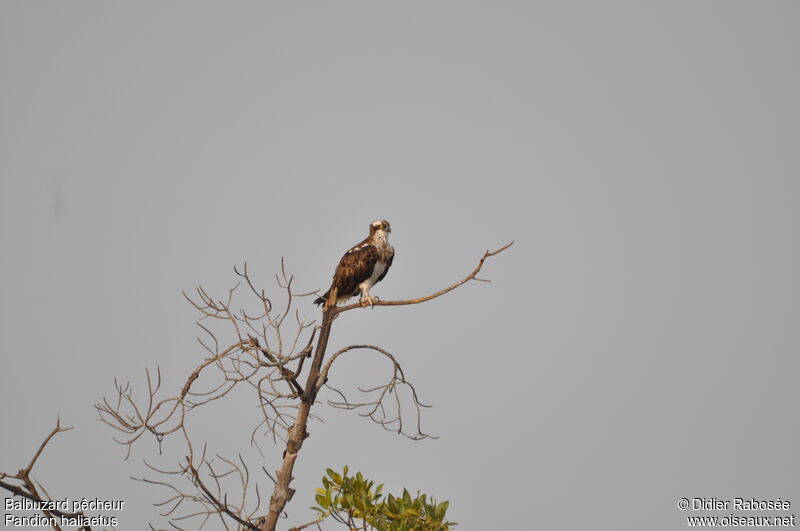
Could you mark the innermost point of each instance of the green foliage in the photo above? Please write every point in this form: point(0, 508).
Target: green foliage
point(357, 502)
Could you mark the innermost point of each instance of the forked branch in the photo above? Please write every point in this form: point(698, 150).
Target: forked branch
point(21, 484)
point(375, 406)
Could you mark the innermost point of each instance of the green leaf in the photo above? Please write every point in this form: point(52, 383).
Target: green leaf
point(322, 501)
point(441, 510)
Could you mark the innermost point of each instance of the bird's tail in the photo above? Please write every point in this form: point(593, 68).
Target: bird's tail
point(321, 300)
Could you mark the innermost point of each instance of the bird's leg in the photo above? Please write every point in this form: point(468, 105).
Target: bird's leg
point(367, 299)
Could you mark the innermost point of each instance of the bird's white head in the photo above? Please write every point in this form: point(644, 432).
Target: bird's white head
point(380, 225)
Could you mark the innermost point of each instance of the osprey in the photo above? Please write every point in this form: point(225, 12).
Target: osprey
point(363, 266)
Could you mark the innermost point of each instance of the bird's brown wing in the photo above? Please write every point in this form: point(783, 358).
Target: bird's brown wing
point(354, 268)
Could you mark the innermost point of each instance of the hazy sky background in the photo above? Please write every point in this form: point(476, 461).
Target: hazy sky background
point(638, 343)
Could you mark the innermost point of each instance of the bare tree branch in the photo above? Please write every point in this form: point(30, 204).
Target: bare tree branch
point(376, 407)
point(27, 488)
point(451, 287)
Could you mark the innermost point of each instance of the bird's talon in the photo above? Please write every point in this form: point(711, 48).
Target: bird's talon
point(369, 300)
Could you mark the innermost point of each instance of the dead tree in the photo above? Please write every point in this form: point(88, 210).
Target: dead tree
point(271, 364)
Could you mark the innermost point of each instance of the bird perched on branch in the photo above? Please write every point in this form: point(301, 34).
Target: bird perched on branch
point(363, 266)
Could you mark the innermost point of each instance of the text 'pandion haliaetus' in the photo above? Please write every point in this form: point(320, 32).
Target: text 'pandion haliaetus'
point(363, 266)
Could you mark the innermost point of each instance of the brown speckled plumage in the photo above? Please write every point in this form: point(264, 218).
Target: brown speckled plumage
point(363, 266)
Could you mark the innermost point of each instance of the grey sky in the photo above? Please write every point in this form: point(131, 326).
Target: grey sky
point(638, 344)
